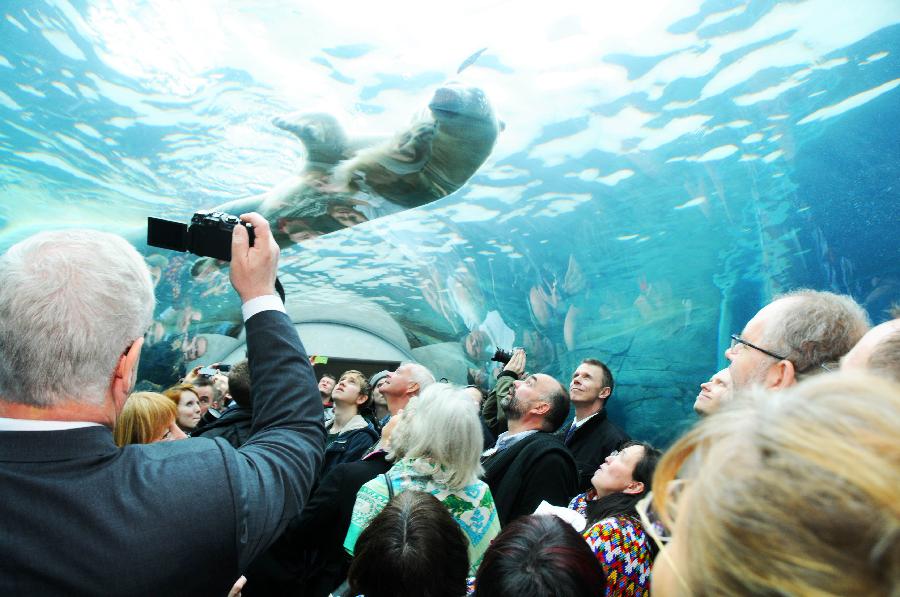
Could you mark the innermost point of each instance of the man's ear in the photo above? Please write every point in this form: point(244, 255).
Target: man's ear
point(634, 488)
point(781, 375)
point(541, 408)
point(126, 372)
point(605, 392)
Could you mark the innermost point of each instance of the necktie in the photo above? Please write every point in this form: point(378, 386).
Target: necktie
point(569, 433)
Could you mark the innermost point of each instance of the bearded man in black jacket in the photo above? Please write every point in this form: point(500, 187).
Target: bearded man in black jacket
point(529, 464)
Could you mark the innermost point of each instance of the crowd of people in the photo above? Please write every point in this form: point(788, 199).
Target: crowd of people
point(258, 478)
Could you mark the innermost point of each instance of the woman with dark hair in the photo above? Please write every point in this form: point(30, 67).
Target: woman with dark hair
point(349, 433)
point(412, 548)
point(539, 556)
point(614, 532)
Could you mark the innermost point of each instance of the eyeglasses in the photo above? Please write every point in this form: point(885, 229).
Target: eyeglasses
point(735, 340)
point(654, 527)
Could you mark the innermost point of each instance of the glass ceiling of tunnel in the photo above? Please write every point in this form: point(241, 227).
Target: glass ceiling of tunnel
point(663, 169)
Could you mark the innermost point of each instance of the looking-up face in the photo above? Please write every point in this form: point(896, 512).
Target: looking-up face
point(750, 366)
point(398, 388)
point(526, 394)
point(326, 385)
point(615, 474)
point(188, 410)
point(713, 393)
point(348, 390)
point(377, 396)
point(587, 384)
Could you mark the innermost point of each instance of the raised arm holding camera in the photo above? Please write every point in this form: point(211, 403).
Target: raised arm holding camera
point(83, 517)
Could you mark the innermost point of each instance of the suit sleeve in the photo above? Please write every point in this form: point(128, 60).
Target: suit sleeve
point(273, 473)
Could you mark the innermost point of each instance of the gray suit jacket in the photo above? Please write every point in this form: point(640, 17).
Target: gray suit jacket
point(78, 516)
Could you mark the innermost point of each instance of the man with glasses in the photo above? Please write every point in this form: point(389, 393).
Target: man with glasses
point(800, 333)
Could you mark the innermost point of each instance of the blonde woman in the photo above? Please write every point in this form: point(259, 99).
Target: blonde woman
point(787, 493)
point(436, 448)
point(147, 417)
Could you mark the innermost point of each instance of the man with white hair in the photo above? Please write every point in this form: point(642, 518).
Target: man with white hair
point(798, 334)
point(81, 516)
point(408, 380)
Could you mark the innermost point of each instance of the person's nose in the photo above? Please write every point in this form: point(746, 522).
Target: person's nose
point(729, 353)
point(704, 387)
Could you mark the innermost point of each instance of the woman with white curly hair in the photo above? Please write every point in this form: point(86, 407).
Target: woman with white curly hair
point(436, 448)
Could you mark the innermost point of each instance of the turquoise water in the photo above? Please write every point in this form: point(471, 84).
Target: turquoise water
point(664, 168)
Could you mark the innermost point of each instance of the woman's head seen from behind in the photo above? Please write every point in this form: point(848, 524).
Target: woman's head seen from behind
point(539, 556)
point(442, 424)
point(146, 417)
point(814, 468)
point(412, 548)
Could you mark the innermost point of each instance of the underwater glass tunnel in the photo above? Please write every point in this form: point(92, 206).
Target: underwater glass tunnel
point(627, 181)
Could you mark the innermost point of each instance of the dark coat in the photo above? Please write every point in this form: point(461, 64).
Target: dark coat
point(83, 517)
point(309, 559)
point(349, 447)
point(533, 469)
point(590, 444)
point(233, 426)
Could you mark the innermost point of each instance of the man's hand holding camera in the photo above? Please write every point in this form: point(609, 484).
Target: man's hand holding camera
point(253, 268)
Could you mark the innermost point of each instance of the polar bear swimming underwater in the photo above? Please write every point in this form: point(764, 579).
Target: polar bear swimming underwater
point(345, 182)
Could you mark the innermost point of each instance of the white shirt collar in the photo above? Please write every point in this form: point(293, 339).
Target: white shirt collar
point(576, 423)
point(34, 425)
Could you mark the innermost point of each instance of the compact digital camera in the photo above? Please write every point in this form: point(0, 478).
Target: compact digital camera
point(209, 234)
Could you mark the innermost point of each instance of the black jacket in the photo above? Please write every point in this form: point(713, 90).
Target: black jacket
point(309, 559)
point(233, 426)
point(590, 444)
point(533, 469)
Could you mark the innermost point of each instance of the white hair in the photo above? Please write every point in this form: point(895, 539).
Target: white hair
point(817, 328)
point(420, 375)
point(442, 424)
point(71, 303)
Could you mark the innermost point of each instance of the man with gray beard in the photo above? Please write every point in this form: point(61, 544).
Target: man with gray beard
point(529, 464)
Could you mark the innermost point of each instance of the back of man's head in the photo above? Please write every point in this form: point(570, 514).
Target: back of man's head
point(239, 384)
point(815, 328)
point(71, 303)
point(559, 408)
point(877, 352)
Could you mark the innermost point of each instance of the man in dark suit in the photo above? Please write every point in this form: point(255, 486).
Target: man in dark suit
point(528, 464)
point(591, 437)
point(82, 517)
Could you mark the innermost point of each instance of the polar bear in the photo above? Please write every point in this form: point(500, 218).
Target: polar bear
point(345, 181)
